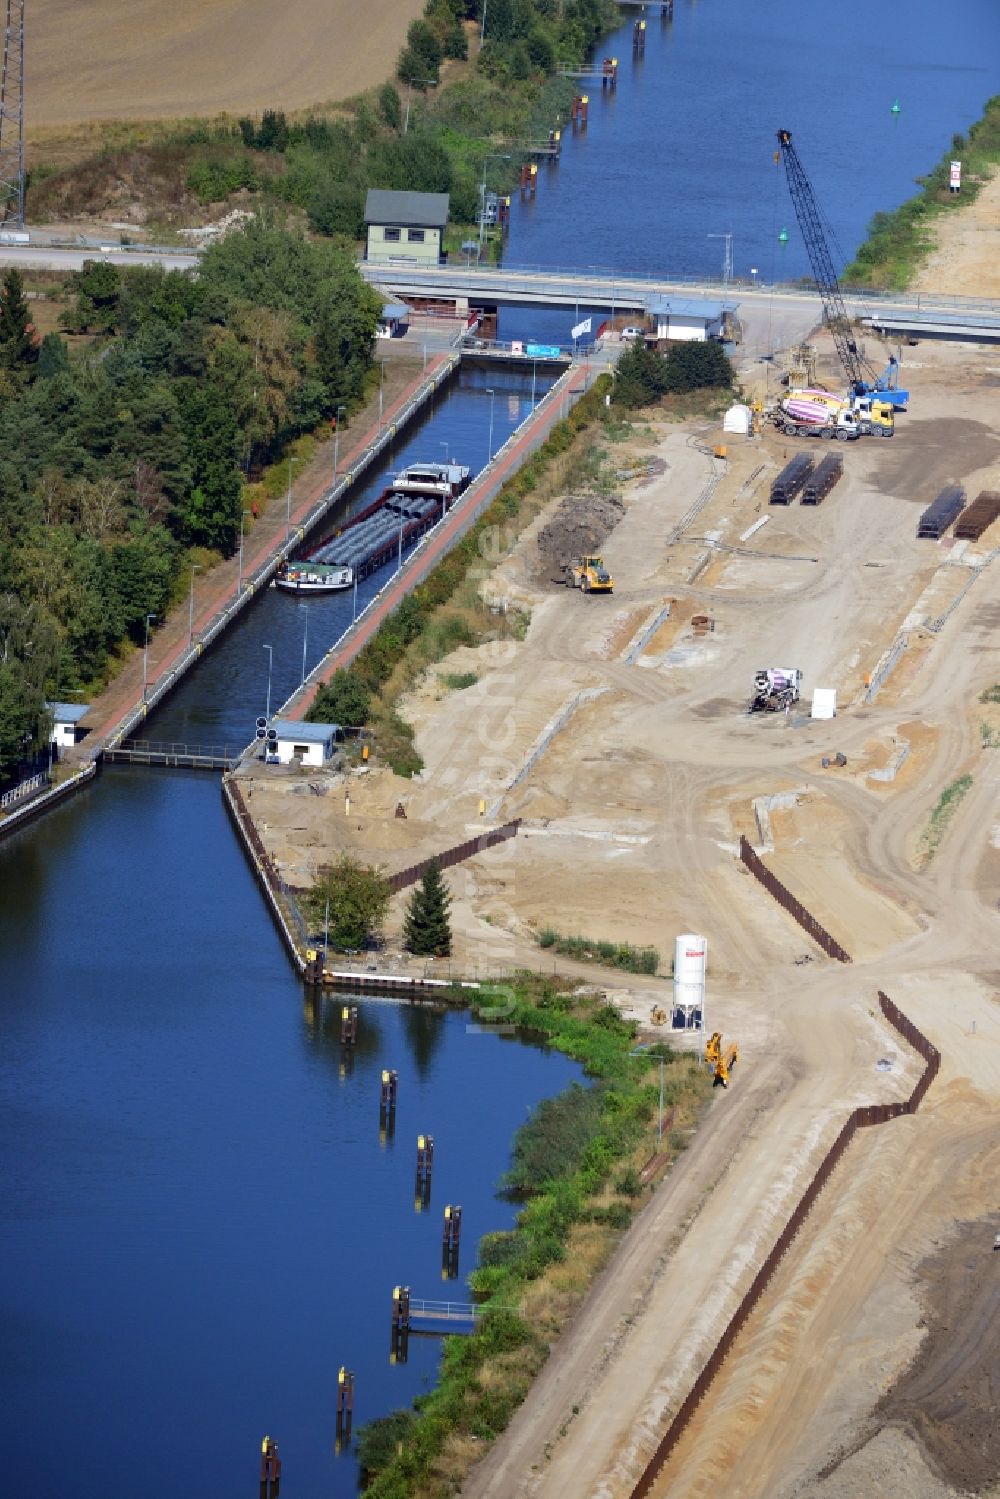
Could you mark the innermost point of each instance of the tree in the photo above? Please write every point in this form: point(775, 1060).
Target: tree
point(427, 928)
point(389, 105)
point(344, 700)
point(17, 344)
point(53, 357)
point(354, 898)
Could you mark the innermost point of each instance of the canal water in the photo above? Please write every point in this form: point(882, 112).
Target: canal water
point(218, 701)
point(199, 1223)
point(684, 147)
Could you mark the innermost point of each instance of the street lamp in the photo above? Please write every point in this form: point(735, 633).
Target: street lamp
point(727, 259)
point(145, 655)
point(492, 394)
point(239, 580)
point(482, 29)
point(381, 390)
point(336, 443)
point(194, 569)
point(644, 1052)
point(399, 565)
point(270, 663)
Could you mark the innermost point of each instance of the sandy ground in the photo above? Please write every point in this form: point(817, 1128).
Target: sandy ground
point(141, 59)
point(966, 260)
point(635, 770)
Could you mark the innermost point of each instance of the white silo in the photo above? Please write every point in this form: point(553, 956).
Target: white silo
point(690, 962)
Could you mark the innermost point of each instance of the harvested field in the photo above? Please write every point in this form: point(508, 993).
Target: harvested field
point(140, 59)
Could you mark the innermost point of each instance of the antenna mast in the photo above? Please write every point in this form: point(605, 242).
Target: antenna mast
point(12, 119)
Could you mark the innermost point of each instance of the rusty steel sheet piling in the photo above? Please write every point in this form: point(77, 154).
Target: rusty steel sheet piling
point(791, 479)
point(981, 513)
point(939, 515)
point(794, 907)
point(861, 1118)
point(828, 473)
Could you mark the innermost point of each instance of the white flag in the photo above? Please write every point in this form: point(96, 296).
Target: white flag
point(581, 328)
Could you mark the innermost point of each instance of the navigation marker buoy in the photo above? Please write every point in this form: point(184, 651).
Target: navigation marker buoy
point(783, 237)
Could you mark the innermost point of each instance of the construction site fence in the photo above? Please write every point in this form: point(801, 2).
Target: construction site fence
point(794, 907)
point(861, 1118)
point(456, 855)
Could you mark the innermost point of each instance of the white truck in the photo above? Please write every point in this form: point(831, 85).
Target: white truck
point(820, 413)
point(775, 689)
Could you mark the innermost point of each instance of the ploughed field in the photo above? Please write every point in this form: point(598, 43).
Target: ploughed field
point(140, 59)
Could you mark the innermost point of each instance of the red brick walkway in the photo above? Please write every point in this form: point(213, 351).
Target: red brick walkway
point(442, 539)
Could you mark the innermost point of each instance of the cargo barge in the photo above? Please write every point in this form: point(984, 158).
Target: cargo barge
point(416, 499)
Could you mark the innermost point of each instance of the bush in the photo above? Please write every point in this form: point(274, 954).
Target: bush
point(344, 700)
point(379, 1442)
point(553, 1141)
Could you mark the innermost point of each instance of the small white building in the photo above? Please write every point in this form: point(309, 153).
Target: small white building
point(298, 743)
point(688, 318)
point(65, 718)
point(392, 323)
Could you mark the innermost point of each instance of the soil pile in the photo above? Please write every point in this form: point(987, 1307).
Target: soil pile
point(950, 1395)
point(579, 525)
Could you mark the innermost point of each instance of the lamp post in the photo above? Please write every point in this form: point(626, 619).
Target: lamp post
point(727, 259)
point(399, 565)
point(482, 28)
point(194, 569)
point(270, 663)
point(239, 580)
point(305, 641)
point(145, 655)
point(381, 390)
point(336, 443)
point(492, 395)
point(643, 1052)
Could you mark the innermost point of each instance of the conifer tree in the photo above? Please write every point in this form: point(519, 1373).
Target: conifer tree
point(427, 928)
point(17, 347)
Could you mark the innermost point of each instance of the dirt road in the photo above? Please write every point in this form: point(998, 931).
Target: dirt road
point(616, 729)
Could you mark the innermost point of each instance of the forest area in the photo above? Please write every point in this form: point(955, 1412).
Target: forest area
point(124, 457)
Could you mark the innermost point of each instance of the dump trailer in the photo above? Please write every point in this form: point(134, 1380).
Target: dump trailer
point(590, 574)
point(791, 479)
point(826, 474)
point(981, 513)
point(775, 689)
point(938, 516)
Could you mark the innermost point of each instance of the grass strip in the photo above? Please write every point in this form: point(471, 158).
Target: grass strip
point(947, 805)
point(446, 609)
point(899, 242)
point(611, 954)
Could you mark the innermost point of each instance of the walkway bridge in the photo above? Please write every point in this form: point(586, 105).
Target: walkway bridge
point(174, 756)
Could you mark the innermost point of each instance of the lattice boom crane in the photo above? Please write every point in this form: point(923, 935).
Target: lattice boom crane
point(864, 379)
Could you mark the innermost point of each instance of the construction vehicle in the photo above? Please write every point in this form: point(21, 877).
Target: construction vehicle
point(864, 380)
point(720, 1060)
point(820, 413)
point(590, 574)
point(775, 689)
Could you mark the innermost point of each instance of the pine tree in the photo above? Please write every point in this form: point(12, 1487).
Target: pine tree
point(427, 928)
point(17, 347)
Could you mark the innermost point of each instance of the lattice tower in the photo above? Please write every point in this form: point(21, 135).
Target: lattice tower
point(12, 118)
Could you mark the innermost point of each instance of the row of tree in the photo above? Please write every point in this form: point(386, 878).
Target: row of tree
point(118, 454)
point(350, 901)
